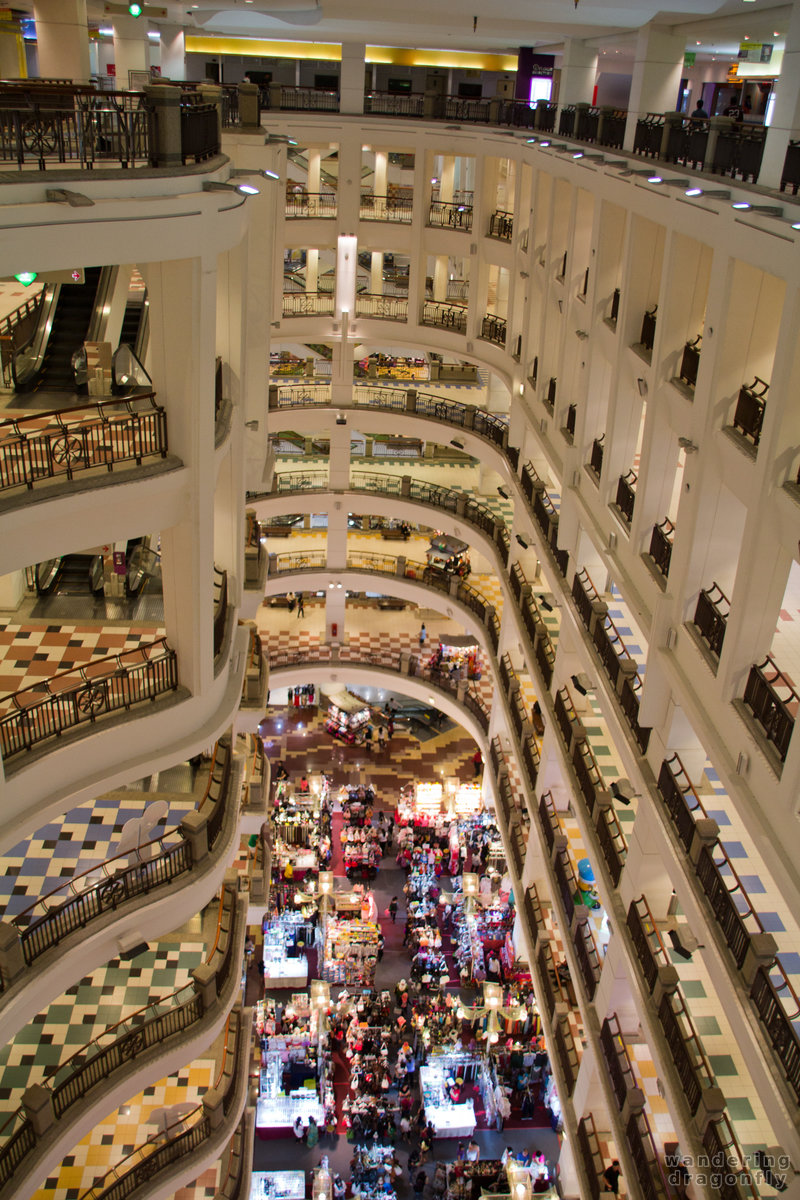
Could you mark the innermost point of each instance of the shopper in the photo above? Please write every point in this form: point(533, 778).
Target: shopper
point(312, 1134)
point(477, 763)
point(393, 909)
point(291, 598)
point(299, 1128)
point(611, 1176)
point(301, 612)
point(699, 113)
point(423, 634)
point(381, 737)
point(419, 1185)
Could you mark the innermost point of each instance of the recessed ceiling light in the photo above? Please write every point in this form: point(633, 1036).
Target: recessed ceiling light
point(695, 191)
point(796, 225)
point(740, 204)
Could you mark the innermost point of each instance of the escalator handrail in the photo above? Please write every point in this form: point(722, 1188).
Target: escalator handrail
point(39, 337)
point(101, 308)
point(115, 386)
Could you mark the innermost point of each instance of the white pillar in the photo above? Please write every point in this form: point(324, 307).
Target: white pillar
point(376, 273)
point(312, 270)
point(578, 73)
point(440, 277)
point(62, 39)
point(656, 76)
point(12, 589)
point(447, 181)
point(130, 49)
point(351, 79)
point(314, 172)
point(173, 52)
point(381, 171)
point(786, 115)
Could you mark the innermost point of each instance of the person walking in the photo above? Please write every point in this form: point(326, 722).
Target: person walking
point(381, 737)
point(423, 634)
point(301, 612)
point(699, 113)
point(611, 1176)
point(393, 909)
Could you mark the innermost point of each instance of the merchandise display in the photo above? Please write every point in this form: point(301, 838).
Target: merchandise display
point(286, 939)
point(293, 1079)
point(278, 1185)
point(347, 716)
point(350, 952)
point(449, 1119)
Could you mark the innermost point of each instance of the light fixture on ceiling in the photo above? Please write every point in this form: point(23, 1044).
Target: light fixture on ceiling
point(455, 442)
point(766, 210)
point(73, 199)
point(244, 189)
point(502, 492)
point(713, 194)
point(522, 541)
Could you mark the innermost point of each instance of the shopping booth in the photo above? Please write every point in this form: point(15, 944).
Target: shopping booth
point(458, 656)
point(448, 555)
point(286, 939)
point(292, 1079)
point(348, 716)
point(449, 1116)
point(350, 948)
point(278, 1185)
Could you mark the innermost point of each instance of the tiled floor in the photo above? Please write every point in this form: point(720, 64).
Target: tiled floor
point(38, 650)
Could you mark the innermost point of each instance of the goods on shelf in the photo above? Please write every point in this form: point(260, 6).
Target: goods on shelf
point(459, 657)
point(347, 715)
point(350, 952)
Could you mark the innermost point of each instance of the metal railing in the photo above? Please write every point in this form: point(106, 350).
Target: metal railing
point(596, 459)
point(690, 362)
point(626, 495)
point(116, 1047)
point(50, 126)
point(648, 334)
point(686, 1050)
point(390, 104)
point(617, 1059)
point(308, 304)
point(750, 408)
point(588, 959)
point(445, 215)
point(385, 308)
point(64, 442)
point(733, 1170)
point(650, 950)
point(646, 1160)
point(569, 424)
point(310, 204)
point(399, 209)
point(300, 395)
point(591, 1156)
point(50, 707)
point(300, 481)
point(774, 712)
point(711, 617)
point(613, 315)
point(220, 608)
point(306, 99)
point(445, 316)
point(501, 225)
point(493, 329)
point(661, 545)
point(567, 1052)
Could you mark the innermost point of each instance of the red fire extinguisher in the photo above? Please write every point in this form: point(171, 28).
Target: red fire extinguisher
point(334, 630)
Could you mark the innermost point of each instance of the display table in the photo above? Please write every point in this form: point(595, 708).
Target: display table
point(281, 1112)
point(286, 973)
point(455, 1121)
point(278, 1185)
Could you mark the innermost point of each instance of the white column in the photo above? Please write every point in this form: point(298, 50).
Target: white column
point(376, 273)
point(12, 589)
point(130, 49)
point(578, 73)
point(656, 76)
point(786, 115)
point(62, 39)
point(447, 181)
point(381, 171)
point(440, 277)
point(182, 295)
point(314, 172)
point(351, 79)
point(173, 52)
point(312, 270)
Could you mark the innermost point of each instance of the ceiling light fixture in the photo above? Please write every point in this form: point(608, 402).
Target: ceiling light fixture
point(714, 194)
point(244, 189)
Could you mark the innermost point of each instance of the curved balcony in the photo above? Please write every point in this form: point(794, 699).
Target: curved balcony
point(82, 922)
point(196, 1141)
point(73, 700)
point(82, 446)
point(144, 1047)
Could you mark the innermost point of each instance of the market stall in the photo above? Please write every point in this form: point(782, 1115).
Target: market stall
point(293, 1077)
point(457, 656)
point(286, 939)
point(278, 1185)
point(350, 952)
point(449, 555)
point(450, 1119)
point(347, 716)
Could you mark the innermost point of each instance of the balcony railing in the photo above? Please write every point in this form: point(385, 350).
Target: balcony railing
point(493, 329)
point(649, 134)
point(549, 398)
point(661, 545)
point(445, 316)
point(690, 362)
point(686, 1051)
point(311, 204)
point(770, 994)
point(48, 126)
point(615, 1053)
point(711, 617)
point(161, 1024)
point(307, 99)
point(646, 1159)
point(501, 225)
point(567, 1052)
point(533, 911)
point(51, 707)
point(390, 104)
point(444, 215)
point(613, 316)
point(399, 209)
point(308, 304)
point(591, 1156)
point(626, 495)
point(682, 802)
point(569, 424)
point(384, 308)
point(648, 334)
point(733, 1170)
point(750, 408)
point(773, 702)
point(587, 957)
point(220, 608)
point(650, 950)
point(596, 459)
point(66, 442)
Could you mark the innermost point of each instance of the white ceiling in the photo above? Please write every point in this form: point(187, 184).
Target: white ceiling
point(502, 27)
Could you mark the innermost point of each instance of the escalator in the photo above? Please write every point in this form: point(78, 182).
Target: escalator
point(82, 574)
point(129, 334)
point(48, 363)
